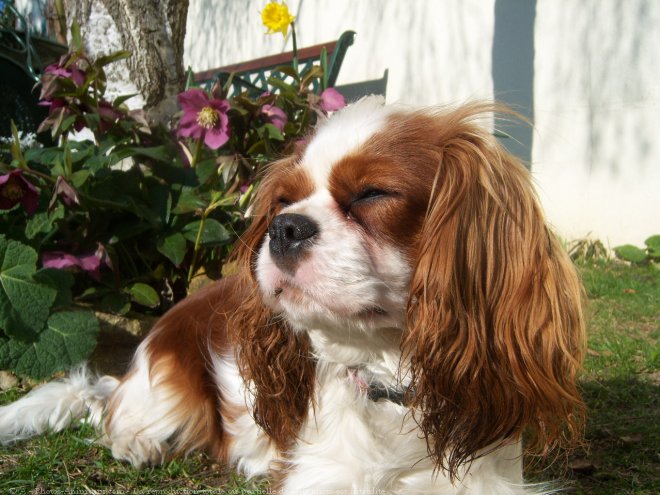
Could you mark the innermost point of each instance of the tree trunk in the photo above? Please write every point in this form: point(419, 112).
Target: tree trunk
point(153, 31)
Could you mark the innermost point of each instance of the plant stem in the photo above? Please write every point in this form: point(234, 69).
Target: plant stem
point(198, 241)
point(295, 46)
point(197, 154)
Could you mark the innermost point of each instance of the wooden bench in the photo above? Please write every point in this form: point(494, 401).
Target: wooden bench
point(252, 76)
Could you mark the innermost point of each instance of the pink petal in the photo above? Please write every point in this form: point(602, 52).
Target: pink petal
point(89, 262)
point(331, 100)
point(193, 100)
point(61, 260)
point(275, 116)
point(221, 106)
point(188, 126)
point(215, 138)
point(58, 260)
point(30, 195)
point(30, 201)
point(77, 76)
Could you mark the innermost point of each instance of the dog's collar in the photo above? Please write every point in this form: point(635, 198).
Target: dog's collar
point(377, 391)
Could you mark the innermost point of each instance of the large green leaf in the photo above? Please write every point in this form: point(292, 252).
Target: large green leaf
point(144, 294)
point(213, 232)
point(173, 247)
point(24, 302)
point(68, 339)
point(42, 223)
point(631, 253)
point(61, 281)
point(653, 246)
point(189, 201)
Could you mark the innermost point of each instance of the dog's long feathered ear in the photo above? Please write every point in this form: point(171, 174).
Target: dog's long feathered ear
point(275, 362)
point(495, 327)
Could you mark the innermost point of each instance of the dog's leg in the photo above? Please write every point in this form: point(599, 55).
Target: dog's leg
point(166, 405)
point(55, 405)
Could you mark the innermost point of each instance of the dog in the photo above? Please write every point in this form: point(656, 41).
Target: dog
point(401, 316)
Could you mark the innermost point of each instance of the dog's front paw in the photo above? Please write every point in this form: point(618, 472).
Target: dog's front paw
point(139, 450)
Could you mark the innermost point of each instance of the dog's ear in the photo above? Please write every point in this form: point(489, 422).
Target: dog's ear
point(495, 326)
point(275, 362)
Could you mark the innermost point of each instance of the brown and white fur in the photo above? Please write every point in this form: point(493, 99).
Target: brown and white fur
point(400, 251)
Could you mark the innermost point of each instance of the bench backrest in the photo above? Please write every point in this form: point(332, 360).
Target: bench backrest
point(252, 76)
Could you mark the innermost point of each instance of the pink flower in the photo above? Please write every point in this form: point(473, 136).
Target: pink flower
point(65, 192)
point(58, 110)
point(52, 77)
point(109, 115)
point(275, 115)
point(71, 72)
point(331, 100)
point(15, 188)
point(90, 262)
point(204, 118)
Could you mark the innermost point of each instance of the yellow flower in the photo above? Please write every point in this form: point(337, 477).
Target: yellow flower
point(277, 18)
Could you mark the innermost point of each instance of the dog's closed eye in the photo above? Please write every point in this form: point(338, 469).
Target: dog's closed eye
point(370, 193)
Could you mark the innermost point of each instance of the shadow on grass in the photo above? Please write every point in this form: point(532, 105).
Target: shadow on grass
point(622, 438)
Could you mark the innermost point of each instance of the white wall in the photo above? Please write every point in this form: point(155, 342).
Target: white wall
point(596, 154)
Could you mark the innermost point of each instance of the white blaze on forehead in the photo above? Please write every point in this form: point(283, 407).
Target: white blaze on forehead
point(342, 134)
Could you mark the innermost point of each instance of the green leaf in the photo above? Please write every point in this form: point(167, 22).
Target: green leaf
point(213, 232)
point(160, 199)
point(24, 302)
point(653, 245)
point(284, 87)
point(113, 57)
point(76, 39)
point(80, 177)
point(312, 73)
point(122, 99)
point(324, 68)
point(116, 303)
point(68, 339)
point(159, 153)
point(42, 223)
point(228, 167)
point(273, 132)
point(288, 70)
point(189, 201)
point(173, 247)
point(61, 281)
point(205, 169)
point(144, 294)
point(67, 123)
point(48, 156)
point(630, 253)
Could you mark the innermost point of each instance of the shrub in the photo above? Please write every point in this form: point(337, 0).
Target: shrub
point(126, 217)
point(640, 256)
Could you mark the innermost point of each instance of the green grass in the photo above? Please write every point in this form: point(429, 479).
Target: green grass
point(620, 384)
point(69, 463)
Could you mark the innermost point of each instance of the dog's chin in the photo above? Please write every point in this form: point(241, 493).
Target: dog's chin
point(304, 311)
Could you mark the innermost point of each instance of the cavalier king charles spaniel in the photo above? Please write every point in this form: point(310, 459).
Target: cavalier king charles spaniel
point(401, 317)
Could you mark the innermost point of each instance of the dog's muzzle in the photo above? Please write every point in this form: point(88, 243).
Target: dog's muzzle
point(291, 236)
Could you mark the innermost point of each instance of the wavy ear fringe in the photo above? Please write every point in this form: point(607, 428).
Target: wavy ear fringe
point(495, 327)
point(275, 362)
point(277, 366)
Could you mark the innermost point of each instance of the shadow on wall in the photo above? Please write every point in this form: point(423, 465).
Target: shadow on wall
point(598, 68)
point(513, 71)
point(225, 30)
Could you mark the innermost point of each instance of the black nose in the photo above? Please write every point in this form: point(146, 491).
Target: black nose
point(290, 237)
